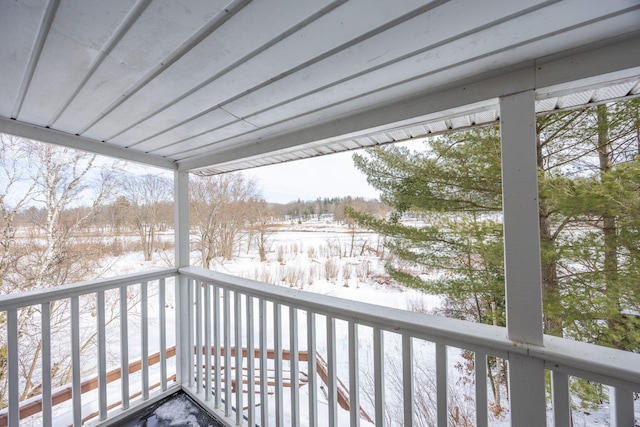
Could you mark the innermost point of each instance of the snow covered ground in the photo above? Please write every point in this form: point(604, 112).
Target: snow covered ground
point(298, 257)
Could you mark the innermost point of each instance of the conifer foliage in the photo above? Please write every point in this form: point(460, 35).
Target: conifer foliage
point(589, 210)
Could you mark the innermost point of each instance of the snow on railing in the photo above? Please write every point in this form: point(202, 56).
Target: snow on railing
point(85, 323)
point(379, 351)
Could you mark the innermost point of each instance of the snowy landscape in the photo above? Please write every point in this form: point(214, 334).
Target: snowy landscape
point(314, 256)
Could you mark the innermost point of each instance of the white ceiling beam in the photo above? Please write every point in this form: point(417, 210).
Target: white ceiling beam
point(596, 66)
point(39, 133)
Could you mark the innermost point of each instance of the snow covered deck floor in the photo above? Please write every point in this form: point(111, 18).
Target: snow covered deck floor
point(176, 410)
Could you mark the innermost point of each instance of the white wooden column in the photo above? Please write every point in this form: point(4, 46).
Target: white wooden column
point(523, 277)
point(181, 240)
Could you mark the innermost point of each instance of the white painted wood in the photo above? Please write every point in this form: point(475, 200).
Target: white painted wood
point(76, 392)
point(216, 344)
point(199, 375)
point(354, 375)
point(182, 329)
point(264, 409)
point(226, 320)
point(277, 361)
point(237, 343)
point(144, 314)
point(129, 72)
point(407, 379)
point(561, 400)
point(622, 407)
point(13, 368)
point(184, 357)
point(45, 310)
point(188, 328)
point(332, 384)
point(102, 357)
point(181, 220)
point(207, 342)
point(39, 133)
point(527, 394)
point(482, 413)
point(124, 347)
point(523, 275)
point(592, 362)
point(251, 380)
point(294, 363)
point(163, 333)
point(378, 375)
point(312, 369)
point(441, 385)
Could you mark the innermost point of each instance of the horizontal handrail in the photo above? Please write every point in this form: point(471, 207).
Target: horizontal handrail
point(603, 364)
point(40, 296)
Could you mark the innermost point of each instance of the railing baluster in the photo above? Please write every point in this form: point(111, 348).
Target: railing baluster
point(190, 329)
point(237, 342)
point(293, 358)
point(561, 403)
point(102, 357)
point(312, 368)
point(354, 375)
point(331, 370)
point(277, 335)
point(198, 343)
point(622, 412)
point(163, 333)
point(76, 393)
point(227, 353)
point(481, 390)
point(378, 374)
point(124, 348)
point(13, 372)
point(441, 383)
point(216, 345)
point(264, 387)
point(144, 312)
point(47, 419)
point(407, 379)
point(251, 379)
point(207, 342)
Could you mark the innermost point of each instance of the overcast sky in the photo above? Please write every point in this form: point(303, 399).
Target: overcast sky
point(326, 176)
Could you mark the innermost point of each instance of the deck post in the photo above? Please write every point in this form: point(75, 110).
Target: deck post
point(523, 277)
point(181, 230)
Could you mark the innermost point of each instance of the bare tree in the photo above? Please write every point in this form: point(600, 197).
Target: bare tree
point(16, 191)
point(220, 210)
point(147, 196)
point(262, 218)
point(65, 189)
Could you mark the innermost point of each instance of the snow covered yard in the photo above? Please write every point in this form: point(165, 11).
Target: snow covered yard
point(316, 259)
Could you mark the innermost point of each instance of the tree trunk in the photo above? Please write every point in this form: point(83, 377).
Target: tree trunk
point(550, 284)
point(609, 231)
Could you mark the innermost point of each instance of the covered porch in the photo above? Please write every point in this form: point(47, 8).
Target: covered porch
point(213, 87)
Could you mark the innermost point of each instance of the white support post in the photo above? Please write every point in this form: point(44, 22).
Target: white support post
point(522, 266)
point(523, 277)
point(181, 230)
point(181, 226)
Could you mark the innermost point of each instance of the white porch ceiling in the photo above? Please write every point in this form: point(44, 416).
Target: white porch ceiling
point(226, 85)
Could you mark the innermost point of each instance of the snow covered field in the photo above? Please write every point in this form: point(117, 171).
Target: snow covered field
point(330, 260)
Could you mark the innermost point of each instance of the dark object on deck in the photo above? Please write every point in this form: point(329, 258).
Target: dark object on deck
point(176, 410)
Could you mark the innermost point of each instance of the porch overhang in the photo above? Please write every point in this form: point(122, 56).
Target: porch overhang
point(189, 87)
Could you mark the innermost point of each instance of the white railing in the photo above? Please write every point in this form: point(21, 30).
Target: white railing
point(256, 354)
point(282, 332)
point(103, 328)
